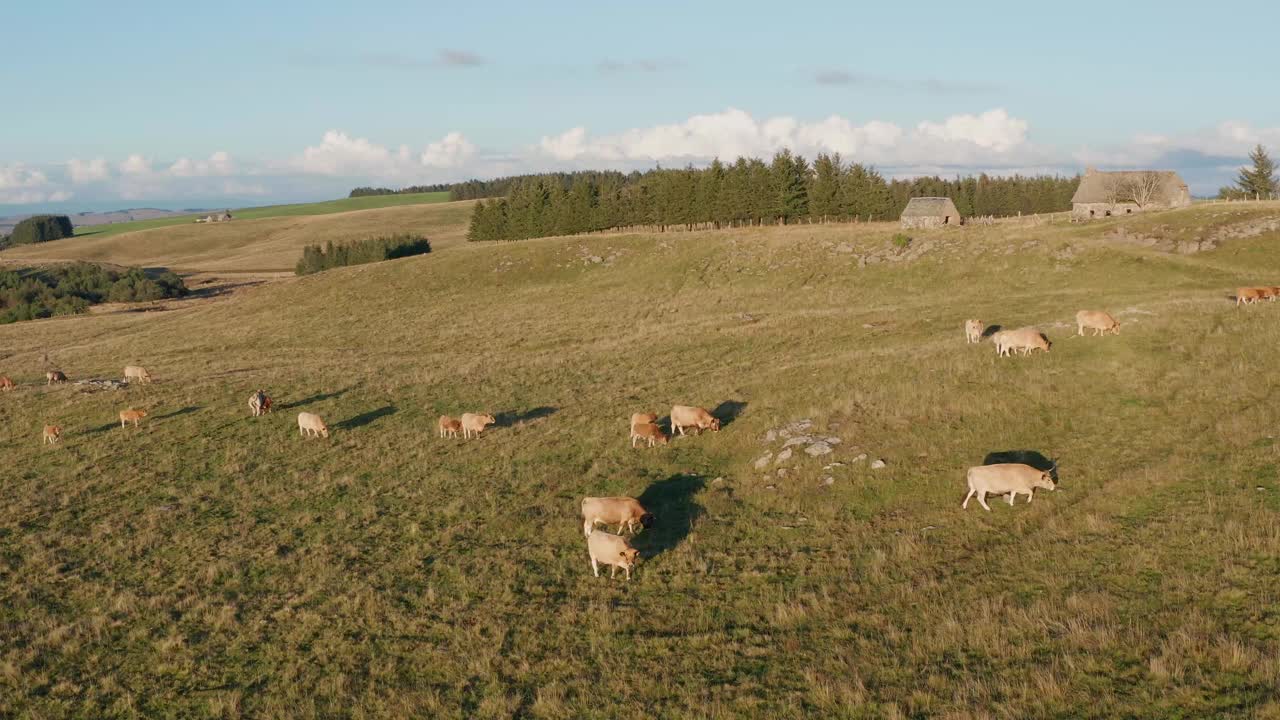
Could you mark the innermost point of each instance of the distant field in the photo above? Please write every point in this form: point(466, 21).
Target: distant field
point(269, 211)
point(269, 244)
point(207, 564)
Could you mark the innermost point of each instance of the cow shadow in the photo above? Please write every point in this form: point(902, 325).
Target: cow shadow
point(181, 411)
point(102, 428)
point(990, 330)
point(728, 411)
point(1033, 458)
point(674, 511)
point(367, 417)
point(515, 417)
point(319, 397)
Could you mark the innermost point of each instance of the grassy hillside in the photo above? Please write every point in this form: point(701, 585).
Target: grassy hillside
point(208, 564)
point(268, 211)
point(251, 245)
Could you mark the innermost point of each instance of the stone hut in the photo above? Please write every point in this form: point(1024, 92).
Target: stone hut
point(927, 212)
point(1104, 194)
point(224, 216)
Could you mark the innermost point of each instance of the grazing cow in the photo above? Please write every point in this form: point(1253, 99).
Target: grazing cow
point(131, 416)
point(973, 331)
point(310, 425)
point(1247, 295)
point(1101, 322)
point(683, 416)
point(449, 427)
point(5, 384)
point(648, 431)
point(642, 418)
point(133, 372)
point(475, 423)
point(1012, 478)
point(259, 403)
point(55, 376)
point(612, 550)
point(1027, 339)
point(1001, 340)
point(626, 512)
point(52, 434)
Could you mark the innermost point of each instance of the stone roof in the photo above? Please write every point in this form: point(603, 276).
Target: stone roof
point(1096, 187)
point(930, 207)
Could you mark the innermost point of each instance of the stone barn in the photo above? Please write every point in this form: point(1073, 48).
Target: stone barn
point(1104, 194)
point(927, 212)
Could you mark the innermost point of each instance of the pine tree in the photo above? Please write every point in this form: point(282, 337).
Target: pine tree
point(824, 193)
point(1258, 182)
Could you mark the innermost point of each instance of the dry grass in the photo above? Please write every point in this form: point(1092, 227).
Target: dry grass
point(210, 564)
point(251, 245)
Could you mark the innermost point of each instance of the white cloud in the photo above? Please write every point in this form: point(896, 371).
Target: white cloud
point(219, 164)
point(21, 185)
point(992, 137)
point(87, 171)
point(341, 154)
point(453, 150)
point(135, 165)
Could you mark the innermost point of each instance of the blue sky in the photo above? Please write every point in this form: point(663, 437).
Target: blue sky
point(250, 103)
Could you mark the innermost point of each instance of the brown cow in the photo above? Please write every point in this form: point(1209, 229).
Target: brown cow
point(52, 434)
point(55, 376)
point(131, 416)
point(648, 431)
point(5, 384)
point(448, 426)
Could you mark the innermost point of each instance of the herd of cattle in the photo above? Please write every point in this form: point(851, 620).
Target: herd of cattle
point(614, 550)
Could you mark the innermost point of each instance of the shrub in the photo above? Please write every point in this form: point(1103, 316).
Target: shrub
point(28, 294)
point(901, 241)
point(41, 228)
point(316, 258)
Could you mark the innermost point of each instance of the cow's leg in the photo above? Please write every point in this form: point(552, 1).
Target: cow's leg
point(965, 504)
point(982, 500)
point(613, 571)
point(1012, 495)
point(595, 567)
point(1031, 495)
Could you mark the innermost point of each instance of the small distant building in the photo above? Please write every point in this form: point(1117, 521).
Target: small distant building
point(1104, 194)
point(224, 216)
point(928, 212)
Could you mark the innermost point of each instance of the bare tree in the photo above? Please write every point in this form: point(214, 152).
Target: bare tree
point(1140, 188)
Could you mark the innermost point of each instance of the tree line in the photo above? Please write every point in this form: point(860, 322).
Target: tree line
point(28, 294)
point(316, 258)
point(38, 228)
point(786, 190)
point(411, 190)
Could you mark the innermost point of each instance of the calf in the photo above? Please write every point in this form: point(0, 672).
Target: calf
point(131, 416)
point(1247, 295)
point(641, 418)
point(612, 550)
point(626, 512)
point(648, 431)
point(310, 425)
point(54, 377)
point(1012, 478)
point(449, 427)
point(1001, 340)
point(259, 404)
point(973, 331)
point(5, 384)
point(1098, 321)
point(683, 416)
point(133, 372)
point(475, 423)
point(52, 434)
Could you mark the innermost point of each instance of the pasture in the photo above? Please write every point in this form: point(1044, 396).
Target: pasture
point(209, 564)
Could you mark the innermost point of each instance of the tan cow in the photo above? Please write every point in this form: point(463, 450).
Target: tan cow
point(683, 416)
point(1002, 341)
point(642, 418)
point(1011, 478)
point(612, 550)
point(131, 416)
point(259, 403)
point(449, 427)
point(133, 372)
point(5, 384)
point(475, 423)
point(55, 376)
point(1247, 295)
point(1097, 320)
point(1027, 339)
point(973, 331)
point(626, 512)
point(648, 431)
point(52, 434)
point(1265, 293)
point(310, 425)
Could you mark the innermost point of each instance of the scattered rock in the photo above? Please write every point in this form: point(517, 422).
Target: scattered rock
point(828, 480)
point(833, 441)
point(718, 482)
point(861, 457)
point(877, 464)
point(782, 472)
point(845, 248)
point(770, 487)
point(797, 440)
point(770, 436)
point(818, 448)
point(595, 259)
point(927, 528)
point(763, 462)
point(98, 384)
point(783, 456)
